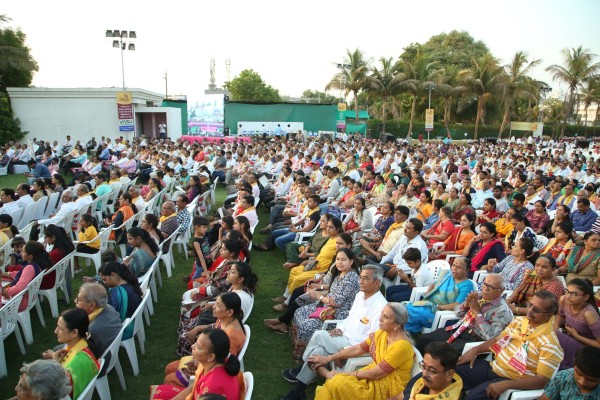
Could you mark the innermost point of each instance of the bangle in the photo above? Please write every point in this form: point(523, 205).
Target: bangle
point(356, 374)
point(321, 287)
point(321, 298)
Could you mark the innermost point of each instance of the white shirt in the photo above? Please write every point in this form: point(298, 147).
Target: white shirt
point(64, 210)
point(423, 276)
point(24, 201)
point(9, 208)
point(395, 255)
point(363, 317)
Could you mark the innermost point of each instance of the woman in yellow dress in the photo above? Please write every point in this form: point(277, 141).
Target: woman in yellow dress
point(392, 351)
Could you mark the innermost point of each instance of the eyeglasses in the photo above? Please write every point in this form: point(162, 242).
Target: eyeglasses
point(22, 388)
point(535, 310)
point(488, 286)
point(429, 371)
point(573, 294)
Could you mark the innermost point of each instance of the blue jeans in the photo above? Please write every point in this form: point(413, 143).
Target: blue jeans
point(276, 234)
point(285, 239)
point(398, 293)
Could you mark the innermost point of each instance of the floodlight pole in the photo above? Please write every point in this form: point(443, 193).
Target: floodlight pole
point(123, 62)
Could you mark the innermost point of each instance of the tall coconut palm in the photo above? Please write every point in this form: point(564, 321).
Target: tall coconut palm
point(514, 83)
point(578, 66)
point(383, 84)
point(447, 87)
point(352, 78)
point(415, 78)
point(482, 83)
point(590, 93)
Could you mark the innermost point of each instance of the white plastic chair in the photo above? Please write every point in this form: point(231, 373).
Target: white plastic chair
point(138, 330)
point(183, 239)
point(95, 257)
point(436, 266)
point(167, 257)
point(541, 242)
point(88, 391)
point(112, 350)
point(25, 233)
point(302, 237)
point(479, 276)
point(27, 215)
point(4, 170)
point(249, 383)
point(60, 282)
point(51, 206)
point(552, 214)
point(125, 226)
point(40, 208)
point(9, 324)
point(24, 316)
point(245, 346)
point(16, 216)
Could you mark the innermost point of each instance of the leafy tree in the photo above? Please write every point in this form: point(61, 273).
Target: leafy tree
point(352, 79)
point(448, 88)
point(249, 86)
point(590, 93)
point(416, 77)
point(577, 68)
point(10, 127)
point(482, 82)
point(383, 83)
point(17, 66)
point(553, 112)
point(514, 82)
point(314, 96)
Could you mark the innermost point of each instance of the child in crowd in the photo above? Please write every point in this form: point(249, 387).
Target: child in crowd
point(201, 248)
point(16, 258)
point(87, 233)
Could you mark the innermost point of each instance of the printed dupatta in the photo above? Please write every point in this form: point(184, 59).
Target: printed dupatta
point(577, 262)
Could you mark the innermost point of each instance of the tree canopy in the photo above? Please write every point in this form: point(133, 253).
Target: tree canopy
point(17, 66)
point(249, 86)
point(314, 96)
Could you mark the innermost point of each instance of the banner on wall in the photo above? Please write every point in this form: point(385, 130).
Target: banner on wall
point(125, 111)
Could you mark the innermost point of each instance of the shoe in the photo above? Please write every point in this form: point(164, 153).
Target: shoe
point(279, 299)
point(266, 229)
point(261, 247)
point(294, 395)
point(280, 307)
point(279, 328)
point(290, 374)
point(271, 322)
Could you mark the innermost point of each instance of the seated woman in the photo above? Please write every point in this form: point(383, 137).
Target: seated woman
point(521, 230)
point(195, 188)
point(542, 277)
point(458, 239)
point(503, 225)
point(561, 244)
point(37, 261)
point(242, 225)
point(453, 199)
point(377, 189)
point(59, 244)
point(211, 283)
point(424, 207)
point(451, 289)
point(563, 214)
point(359, 219)
point(347, 200)
point(438, 192)
point(125, 211)
point(490, 214)
point(463, 207)
point(515, 266)
point(150, 224)
point(228, 317)
point(333, 304)
point(578, 322)
point(39, 187)
point(388, 374)
point(144, 251)
point(584, 260)
point(44, 379)
point(297, 253)
point(124, 292)
point(385, 195)
point(217, 371)
point(76, 357)
point(243, 282)
point(538, 217)
point(155, 187)
point(484, 247)
point(7, 229)
point(441, 230)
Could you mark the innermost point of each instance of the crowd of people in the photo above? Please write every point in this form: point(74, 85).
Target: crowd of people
point(521, 215)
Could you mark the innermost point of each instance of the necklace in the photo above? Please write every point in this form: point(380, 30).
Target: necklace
point(225, 327)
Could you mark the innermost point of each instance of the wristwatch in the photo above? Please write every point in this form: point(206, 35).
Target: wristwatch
point(321, 298)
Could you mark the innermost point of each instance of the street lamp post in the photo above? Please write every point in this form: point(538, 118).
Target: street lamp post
point(118, 42)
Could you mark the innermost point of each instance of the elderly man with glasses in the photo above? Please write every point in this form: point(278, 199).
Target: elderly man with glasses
point(168, 222)
point(483, 316)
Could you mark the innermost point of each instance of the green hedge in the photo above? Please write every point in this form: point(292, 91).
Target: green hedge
point(457, 131)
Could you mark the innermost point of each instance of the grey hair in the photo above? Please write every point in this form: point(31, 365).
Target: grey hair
point(47, 379)
point(134, 188)
point(499, 279)
point(400, 313)
point(95, 293)
point(377, 271)
point(69, 194)
point(447, 211)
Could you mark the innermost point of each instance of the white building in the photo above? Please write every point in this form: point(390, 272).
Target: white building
point(591, 113)
point(51, 113)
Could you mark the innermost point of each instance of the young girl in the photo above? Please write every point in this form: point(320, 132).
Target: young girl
point(16, 257)
point(201, 248)
point(88, 232)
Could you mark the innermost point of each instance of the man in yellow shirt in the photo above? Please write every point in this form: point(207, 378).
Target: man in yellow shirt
point(527, 354)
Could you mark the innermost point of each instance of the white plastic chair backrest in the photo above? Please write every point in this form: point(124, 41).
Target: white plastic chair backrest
point(33, 289)
point(552, 214)
point(40, 208)
point(61, 270)
point(246, 342)
point(6, 250)
point(249, 383)
point(416, 369)
point(170, 240)
point(145, 279)
point(246, 316)
point(52, 202)
point(104, 201)
point(8, 315)
point(435, 266)
point(541, 241)
point(137, 317)
point(27, 215)
point(16, 216)
point(103, 235)
point(113, 349)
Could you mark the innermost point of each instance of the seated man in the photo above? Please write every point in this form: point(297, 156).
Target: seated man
point(579, 383)
point(484, 316)
point(527, 354)
point(362, 320)
point(438, 379)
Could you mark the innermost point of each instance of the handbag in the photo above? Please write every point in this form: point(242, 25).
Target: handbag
point(323, 313)
point(310, 265)
point(351, 225)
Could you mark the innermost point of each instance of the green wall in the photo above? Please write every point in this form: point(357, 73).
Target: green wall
point(182, 105)
point(316, 117)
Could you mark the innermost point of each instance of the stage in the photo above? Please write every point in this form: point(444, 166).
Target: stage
point(216, 139)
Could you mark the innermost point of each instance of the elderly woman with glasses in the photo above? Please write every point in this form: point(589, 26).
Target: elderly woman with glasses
point(43, 380)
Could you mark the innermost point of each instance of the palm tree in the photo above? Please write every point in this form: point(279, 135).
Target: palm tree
point(578, 67)
point(383, 84)
point(353, 78)
point(416, 77)
point(590, 94)
point(514, 83)
point(482, 82)
point(447, 87)
point(553, 111)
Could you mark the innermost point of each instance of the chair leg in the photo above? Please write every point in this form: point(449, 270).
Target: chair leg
point(19, 340)
point(3, 369)
point(38, 308)
point(52, 300)
point(120, 374)
point(132, 355)
point(25, 321)
point(141, 335)
point(102, 388)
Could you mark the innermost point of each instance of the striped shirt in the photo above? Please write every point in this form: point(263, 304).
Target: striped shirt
point(544, 353)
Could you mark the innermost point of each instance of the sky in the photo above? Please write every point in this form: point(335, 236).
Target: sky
point(294, 46)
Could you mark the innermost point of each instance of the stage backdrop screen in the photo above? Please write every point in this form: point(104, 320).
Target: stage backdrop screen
point(205, 115)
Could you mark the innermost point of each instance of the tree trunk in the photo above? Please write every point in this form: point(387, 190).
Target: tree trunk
point(595, 120)
point(569, 105)
point(447, 105)
point(505, 119)
point(412, 116)
point(383, 117)
point(479, 107)
point(356, 104)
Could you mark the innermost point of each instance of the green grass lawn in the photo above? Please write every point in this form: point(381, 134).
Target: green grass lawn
point(268, 353)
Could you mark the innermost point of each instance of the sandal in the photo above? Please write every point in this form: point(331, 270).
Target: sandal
point(280, 307)
point(280, 328)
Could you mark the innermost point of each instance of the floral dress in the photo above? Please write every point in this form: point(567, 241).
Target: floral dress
point(343, 291)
